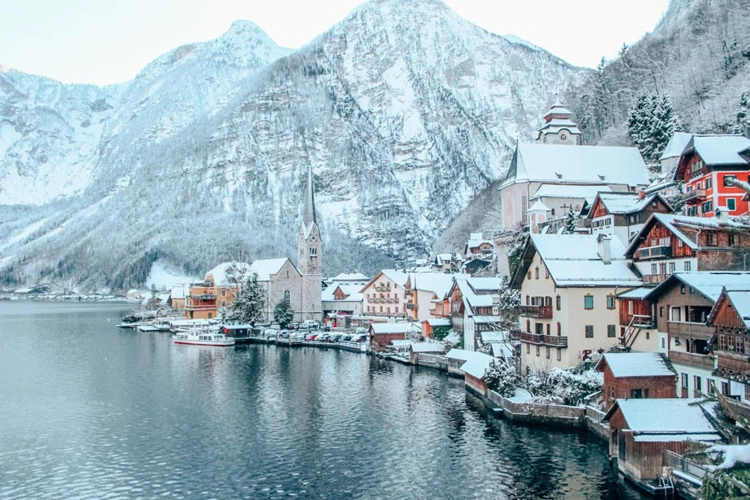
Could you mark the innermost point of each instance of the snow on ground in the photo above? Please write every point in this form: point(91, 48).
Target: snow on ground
point(23, 234)
point(163, 277)
point(733, 454)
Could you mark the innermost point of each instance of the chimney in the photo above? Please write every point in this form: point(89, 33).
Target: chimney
point(641, 194)
point(604, 248)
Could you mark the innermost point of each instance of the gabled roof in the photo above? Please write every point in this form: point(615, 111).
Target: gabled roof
point(739, 299)
point(477, 366)
point(626, 203)
point(433, 347)
point(268, 267)
point(598, 165)
point(676, 224)
point(676, 145)
point(719, 149)
point(352, 293)
point(263, 268)
point(573, 260)
point(402, 327)
point(707, 283)
point(635, 364)
point(350, 277)
point(438, 283)
point(538, 206)
point(398, 277)
point(665, 420)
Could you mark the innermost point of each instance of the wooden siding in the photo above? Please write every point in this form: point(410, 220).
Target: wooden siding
point(620, 388)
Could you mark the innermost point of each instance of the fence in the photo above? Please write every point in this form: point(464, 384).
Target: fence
point(685, 465)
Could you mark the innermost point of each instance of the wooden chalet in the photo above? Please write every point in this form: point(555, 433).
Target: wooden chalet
point(624, 213)
point(669, 243)
point(731, 317)
point(635, 375)
point(707, 166)
point(642, 429)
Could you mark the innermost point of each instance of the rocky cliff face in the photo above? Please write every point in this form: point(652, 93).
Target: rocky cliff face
point(404, 110)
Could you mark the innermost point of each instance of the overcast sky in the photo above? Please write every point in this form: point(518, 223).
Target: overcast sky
point(109, 41)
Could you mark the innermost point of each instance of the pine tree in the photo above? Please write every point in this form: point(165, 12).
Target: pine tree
point(651, 124)
point(283, 313)
point(249, 302)
point(742, 119)
point(570, 223)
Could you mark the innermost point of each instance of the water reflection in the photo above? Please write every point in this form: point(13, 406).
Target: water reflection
point(93, 411)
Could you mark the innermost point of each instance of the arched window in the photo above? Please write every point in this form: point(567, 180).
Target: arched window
point(287, 295)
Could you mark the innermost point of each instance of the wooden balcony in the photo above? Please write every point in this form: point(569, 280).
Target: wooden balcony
point(412, 306)
point(203, 296)
point(535, 338)
point(732, 365)
point(657, 252)
point(383, 288)
point(542, 312)
point(654, 279)
point(689, 359)
point(205, 306)
point(690, 330)
point(694, 194)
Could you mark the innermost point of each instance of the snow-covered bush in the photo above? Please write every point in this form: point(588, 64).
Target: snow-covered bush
point(563, 387)
point(502, 378)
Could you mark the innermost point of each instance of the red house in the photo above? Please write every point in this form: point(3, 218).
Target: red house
point(635, 375)
point(706, 166)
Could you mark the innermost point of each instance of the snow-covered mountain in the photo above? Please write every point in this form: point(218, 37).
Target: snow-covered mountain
point(404, 110)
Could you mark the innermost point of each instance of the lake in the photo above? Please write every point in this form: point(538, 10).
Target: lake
point(88, 410)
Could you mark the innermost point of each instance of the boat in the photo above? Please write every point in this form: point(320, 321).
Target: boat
point(202, 336)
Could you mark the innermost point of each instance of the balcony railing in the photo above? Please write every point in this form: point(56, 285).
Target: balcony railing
point(543, 312)
point(659, 251)
point(689, 359)
point(201, 307)
point(693, 330)
point(382, 288)
point(694, 194)
point(536, 338)
point(203, 296)
point(654, 279)
point(412, 306)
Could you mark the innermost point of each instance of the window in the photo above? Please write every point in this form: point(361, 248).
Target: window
point(559, 329)
point(559, 354)
point(682, 289)
point(313, 251)
point(671, 267)
point(729, 180)
point(546, 273)
point(223, 292)
point(547, 352)
point(661, 311)
point(589, 331)
point(662, 268)
point(730, 240)
point(708, 183)
point(558, 302)
point(611, 331)
point(537, 351)
point(548, 328)
point(528, 326)
point(731, 204)
point(588, 302)
point(539, 328)
point(528, 348)
point(696, 384)
point(610, 301)
point(683, 380)
point(707, 206)
point(636, 393)
point(710, 239)
point(528, 275)
point(653, 268)
point(536, 273)
point(287, 295)
point(223, 303)
point(687, 265)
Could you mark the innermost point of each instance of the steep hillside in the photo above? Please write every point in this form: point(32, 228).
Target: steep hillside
point(405, 112)
point(699, 54)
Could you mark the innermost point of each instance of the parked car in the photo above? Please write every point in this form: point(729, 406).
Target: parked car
point(309, 324)
point(360, 330)
point(360, 338)
point(311, 336)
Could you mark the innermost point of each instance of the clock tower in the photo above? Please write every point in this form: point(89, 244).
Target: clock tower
point(309, 257)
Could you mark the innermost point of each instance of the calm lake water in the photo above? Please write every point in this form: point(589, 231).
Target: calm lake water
point(88, 410)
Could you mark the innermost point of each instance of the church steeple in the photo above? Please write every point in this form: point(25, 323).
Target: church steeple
point(559, 128)
point(310, 256)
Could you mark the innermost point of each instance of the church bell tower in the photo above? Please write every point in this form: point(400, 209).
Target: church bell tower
point(309, 258)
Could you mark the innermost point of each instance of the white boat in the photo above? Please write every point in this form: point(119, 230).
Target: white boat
point(202, 336)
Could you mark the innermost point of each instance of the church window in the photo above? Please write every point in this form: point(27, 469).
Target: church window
point(313, 252)
point(287, 295)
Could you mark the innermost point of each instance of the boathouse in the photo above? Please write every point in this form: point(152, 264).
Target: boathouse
point(635, 375)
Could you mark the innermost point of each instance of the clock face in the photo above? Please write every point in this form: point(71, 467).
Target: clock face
point(312, 237)
point(563, 136)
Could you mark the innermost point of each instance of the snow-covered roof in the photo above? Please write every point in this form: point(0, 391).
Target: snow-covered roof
point(502, 350)
point(636, 293)
point(665, 420)
point(707, 283)
point(581, 164)
point(402, 344)
point(267, 267)
point(676, 223)
point(219, 272)
point(573, 260)
point(351, 290)
point(350, 277)
point(463, 355)
point(626, 203)
point(428, 347)
point(477, 364)
point(493, 336)
point(676, 145)
point(180, 291)
point(635, 364)
point(398, 277)
point(483, 320)
point(438, 283)
point(720, 149)
point(472, 299)
point(538, 206)
point(264, 268)
point(569, 191)
point(385, 328)
point(740, 300)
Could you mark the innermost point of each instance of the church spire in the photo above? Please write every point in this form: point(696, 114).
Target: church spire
point(309, 216)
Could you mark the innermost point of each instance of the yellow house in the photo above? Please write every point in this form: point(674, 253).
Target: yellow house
point(569, 285)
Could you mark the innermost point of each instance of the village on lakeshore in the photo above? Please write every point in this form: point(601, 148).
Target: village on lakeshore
point(614, 297)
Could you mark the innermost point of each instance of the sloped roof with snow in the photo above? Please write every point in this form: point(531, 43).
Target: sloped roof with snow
point(707, 283)
point(635, 364)
point(502, 350)
point(569, 191)
point(676, 145)
point(538, 206)
point(665, 420)
point(580, 164)
point(439, 283)
point(573, 260)
point(720, 149)
point(267, 267)
point(740, 300)
point(351, 291)
point(477, 365)
point(437, 322)
point(219, 272)
point(350, 277)
point(627, 203)
point(386, 328)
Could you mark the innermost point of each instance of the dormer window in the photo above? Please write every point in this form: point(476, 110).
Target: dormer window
point(313, 251)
